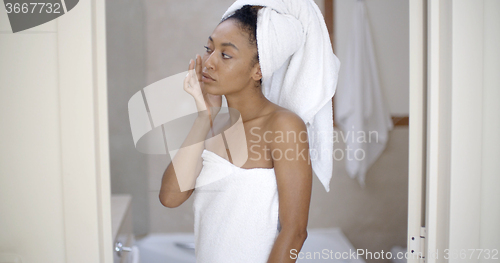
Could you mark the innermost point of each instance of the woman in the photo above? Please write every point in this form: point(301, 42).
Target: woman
point(230, 67)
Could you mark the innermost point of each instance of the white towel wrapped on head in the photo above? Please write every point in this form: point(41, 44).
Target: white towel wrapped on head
point(299, 70)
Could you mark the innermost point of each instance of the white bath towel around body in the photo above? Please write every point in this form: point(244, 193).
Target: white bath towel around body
point(235, 212)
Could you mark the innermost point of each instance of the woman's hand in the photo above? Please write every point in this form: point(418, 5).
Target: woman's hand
point(195, 86)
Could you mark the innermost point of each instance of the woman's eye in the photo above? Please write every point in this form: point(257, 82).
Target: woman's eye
point(225, 56)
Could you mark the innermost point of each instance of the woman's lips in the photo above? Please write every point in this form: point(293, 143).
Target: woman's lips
point(206, 78)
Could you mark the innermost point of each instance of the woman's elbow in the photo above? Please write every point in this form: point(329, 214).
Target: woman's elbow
point(296, 233)
point(172, 200)
point(300, 233)
point(167, 202)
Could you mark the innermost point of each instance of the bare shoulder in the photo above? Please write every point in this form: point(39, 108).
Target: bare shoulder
point(286, 120)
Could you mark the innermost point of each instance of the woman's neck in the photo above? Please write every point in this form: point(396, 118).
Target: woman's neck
point(250, 103)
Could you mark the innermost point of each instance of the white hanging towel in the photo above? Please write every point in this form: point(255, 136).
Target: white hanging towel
point(360, 111)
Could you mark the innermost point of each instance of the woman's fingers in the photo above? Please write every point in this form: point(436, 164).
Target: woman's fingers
point(188, 80)
point(198, 67)
point(191, 73)
point(193, 84)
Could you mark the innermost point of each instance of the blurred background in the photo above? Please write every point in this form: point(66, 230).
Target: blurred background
point(150, 40)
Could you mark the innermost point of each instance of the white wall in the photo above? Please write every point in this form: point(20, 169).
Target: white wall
point(375, 218)
point(126, 64)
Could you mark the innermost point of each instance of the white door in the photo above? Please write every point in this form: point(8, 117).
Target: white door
point(54, 175)
point(417, 133)
point(454, 143)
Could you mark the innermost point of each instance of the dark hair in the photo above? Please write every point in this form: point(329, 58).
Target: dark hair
point(246, 18)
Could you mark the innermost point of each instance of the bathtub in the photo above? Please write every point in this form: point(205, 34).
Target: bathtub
point(178, 247)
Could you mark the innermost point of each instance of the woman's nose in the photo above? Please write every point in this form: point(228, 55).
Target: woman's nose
point(209, 62)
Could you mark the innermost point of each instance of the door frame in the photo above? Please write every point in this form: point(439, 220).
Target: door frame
point(417, 128)
point(451, 168)
point(81, 41)
point(101, 194)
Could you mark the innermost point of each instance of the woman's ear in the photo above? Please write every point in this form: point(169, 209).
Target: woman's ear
point(257, 72)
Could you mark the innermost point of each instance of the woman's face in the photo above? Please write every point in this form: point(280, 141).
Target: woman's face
point(228, 60)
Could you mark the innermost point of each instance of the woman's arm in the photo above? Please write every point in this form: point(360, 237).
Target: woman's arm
point(294, 178)
point(179, 178)
point(185, 166)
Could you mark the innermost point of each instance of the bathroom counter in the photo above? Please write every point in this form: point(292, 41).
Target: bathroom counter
point(120, 204)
